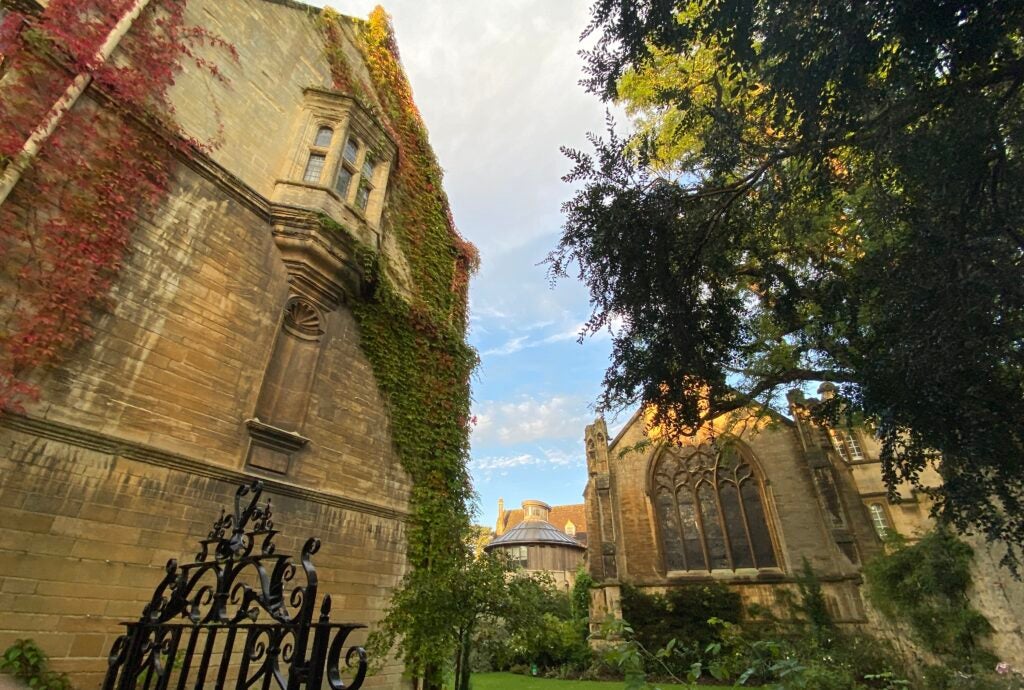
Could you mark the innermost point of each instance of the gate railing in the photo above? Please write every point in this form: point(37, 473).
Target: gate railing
point(202, 627)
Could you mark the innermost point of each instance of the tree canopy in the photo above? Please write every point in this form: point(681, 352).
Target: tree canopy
point(817, 190)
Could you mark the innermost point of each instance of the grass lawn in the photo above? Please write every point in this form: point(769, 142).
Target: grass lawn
point(513, 681)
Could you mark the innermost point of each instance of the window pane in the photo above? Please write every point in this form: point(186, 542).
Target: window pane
point(671, 536)
point(763, 551)
point(880, 521)
point(351, 150)
point(853, 445)
point(742, 557)
point(363, 196)
point(314, 167)
point(713, 536)
point(341, 184)
point(323, 137)
point(368, 164)
point(691, 533)
point(837, 442)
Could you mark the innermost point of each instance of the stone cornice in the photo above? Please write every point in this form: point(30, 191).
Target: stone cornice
point(139, 452)
point(207, 168)
point(727, 579)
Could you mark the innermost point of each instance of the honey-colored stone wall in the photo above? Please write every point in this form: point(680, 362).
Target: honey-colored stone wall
point(171, 374)
point(794, 514)
point(86, 535)
point(787, 454)
point(140, 436)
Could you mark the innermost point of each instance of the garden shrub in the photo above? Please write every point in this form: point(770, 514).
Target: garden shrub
point(682, 614)
point(28, 663)
point(925, 586)
point(553, 639)
point(581, 600)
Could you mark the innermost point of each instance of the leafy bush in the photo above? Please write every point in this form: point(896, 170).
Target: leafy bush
point(550, 636)
point(27, 662)
point(802, 651)
point(581, 600)
point(683, 615)
point(925, 585)
point(944, 678)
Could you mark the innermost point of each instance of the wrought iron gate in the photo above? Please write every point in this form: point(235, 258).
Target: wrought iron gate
point(202, 627)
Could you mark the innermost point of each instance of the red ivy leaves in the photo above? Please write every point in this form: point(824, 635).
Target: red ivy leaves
point(65, 229)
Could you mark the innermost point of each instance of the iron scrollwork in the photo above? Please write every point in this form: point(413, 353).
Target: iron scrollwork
point(238, 615)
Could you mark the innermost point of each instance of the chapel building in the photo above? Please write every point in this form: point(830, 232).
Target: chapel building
point(746, 501)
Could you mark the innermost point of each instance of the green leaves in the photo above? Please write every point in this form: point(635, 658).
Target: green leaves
point(925, 585)
point(817, 191)
point(26, 661)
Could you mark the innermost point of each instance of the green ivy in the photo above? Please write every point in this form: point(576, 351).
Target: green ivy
point(925, 585)
point(581, 599)
point(28, 663)
point(416, 345)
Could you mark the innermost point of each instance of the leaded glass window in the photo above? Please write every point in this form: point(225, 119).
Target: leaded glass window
point(709, 505)
point(351, 150)
point(879, 519)
point(314, 167)
point(368, 165)
point(847, 445)
point(343, 181)
point(323, 137)
point(518, 555)
point(363, 196)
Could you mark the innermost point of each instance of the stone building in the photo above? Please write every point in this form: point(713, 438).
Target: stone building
point(229, 352)
point(746, 501)
point(532, 539)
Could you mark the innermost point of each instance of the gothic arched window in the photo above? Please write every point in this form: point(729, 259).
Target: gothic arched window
point(710, 509)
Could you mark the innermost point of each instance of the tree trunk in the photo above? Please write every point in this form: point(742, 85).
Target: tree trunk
point(433, 678)
point(462, 662)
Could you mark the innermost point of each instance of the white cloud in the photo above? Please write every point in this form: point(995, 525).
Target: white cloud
point(510, 347)
point(486, 467)
point(503, 462)
point(571, 333)
point(527, 419)
point(485, 312)
point(563, 458)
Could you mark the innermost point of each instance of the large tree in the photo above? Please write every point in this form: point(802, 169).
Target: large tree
point(817, 190)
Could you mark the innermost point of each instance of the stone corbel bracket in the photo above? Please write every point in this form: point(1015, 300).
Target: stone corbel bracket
point(322, 263)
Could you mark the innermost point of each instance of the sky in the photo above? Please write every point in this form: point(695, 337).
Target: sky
point(497, 84)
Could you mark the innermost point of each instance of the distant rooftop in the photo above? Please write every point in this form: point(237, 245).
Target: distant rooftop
point(570, 519)
point(533, 531)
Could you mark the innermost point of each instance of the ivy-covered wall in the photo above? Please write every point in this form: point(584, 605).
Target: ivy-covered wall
point(139, 431)
point(416, 341)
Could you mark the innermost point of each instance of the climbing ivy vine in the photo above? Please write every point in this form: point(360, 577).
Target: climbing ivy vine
point(65, 229)
point(416, 344)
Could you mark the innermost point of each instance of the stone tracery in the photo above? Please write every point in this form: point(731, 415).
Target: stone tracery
point(710, 510)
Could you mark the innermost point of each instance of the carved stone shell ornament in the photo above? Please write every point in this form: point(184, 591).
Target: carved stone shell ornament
point(302, 319)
